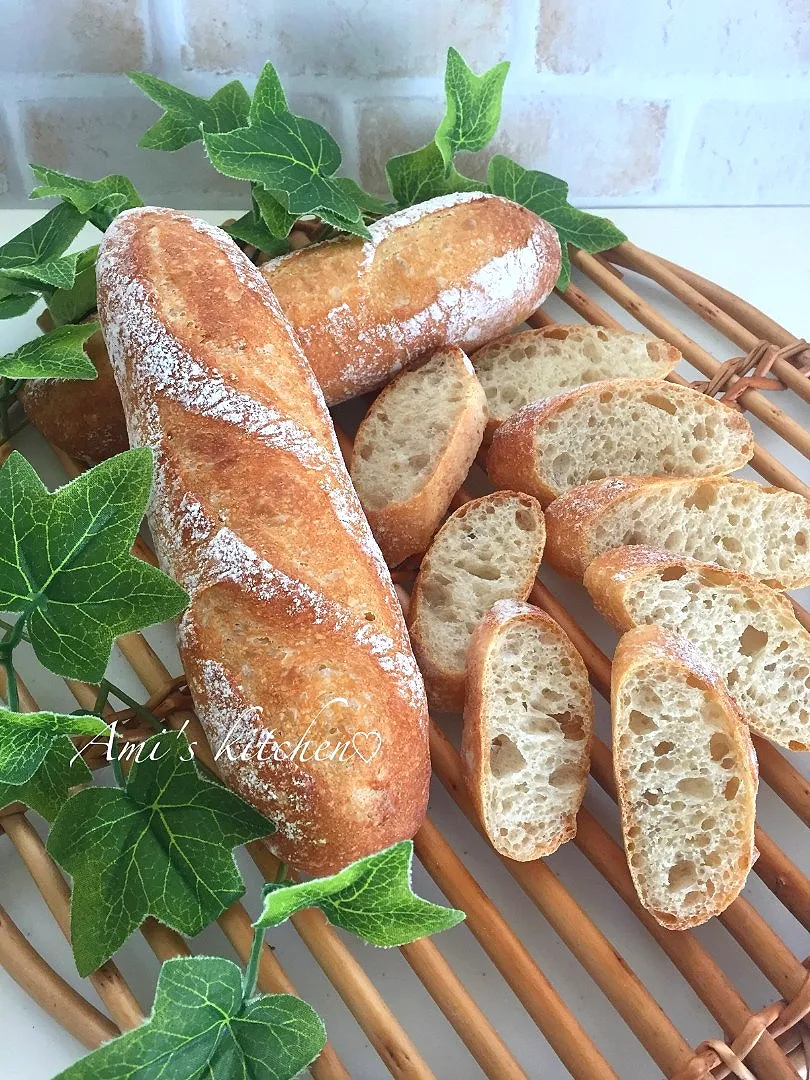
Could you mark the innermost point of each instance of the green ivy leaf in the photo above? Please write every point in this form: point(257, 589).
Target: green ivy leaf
point(252, 230)
point(547, 196)
point(43, 276)
point(421, 174)
point(13, 305)
point(56, 355)
point(371, 898)
point(71, 305)
point(187, 116)
point(65, 562)
point(370, 203)
point(293, 159)
point(268, 97)
point(26, 738)
point(48, 789)
point(200, 1029)
point(44, 241)
point(162, 846)
point(97, 200)
point(269, 210)
point(473, 106)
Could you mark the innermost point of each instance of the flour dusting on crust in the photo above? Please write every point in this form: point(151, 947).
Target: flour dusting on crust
point(151, 366)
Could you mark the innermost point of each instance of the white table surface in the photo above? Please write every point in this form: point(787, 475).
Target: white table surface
point(760, 254)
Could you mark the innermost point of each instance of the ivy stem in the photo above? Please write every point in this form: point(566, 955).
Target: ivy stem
point(281, 872)
point(105, 688)
point(251, 975)
point(11, 639)
point(5, 430)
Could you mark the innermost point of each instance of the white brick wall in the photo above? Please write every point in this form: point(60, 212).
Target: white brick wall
point(634, 102)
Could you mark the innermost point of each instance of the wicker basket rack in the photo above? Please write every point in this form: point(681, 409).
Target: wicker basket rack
point(748, 1041)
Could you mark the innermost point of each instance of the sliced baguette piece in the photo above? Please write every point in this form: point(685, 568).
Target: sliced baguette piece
point(535, 364)
point(414, 448)
point(528, 723)
point(488, 550)
point(761, 531)
point(686, 777)
point(747, 632)
point(618, 427)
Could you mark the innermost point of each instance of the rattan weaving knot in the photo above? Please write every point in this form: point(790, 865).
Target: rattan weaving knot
point(741, 373)
point(717, 1060)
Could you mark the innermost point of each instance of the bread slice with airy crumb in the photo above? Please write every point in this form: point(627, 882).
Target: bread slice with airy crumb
point(488, 550)
point(414, 448)
point(686, 776)
point(748, 632)
point(528, 723)
point(762, 531)
point(618, 427)
point(521, 368)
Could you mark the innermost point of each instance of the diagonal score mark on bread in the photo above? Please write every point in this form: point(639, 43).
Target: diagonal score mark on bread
point(292, 605)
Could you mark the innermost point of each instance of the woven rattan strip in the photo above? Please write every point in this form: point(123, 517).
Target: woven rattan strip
point(751, 1051)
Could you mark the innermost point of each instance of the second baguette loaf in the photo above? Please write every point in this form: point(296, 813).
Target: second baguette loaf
point(457, 270)
point(294, 643)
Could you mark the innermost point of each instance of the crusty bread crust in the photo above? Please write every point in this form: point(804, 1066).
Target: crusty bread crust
point(669, 652)
point(572, 518)
point(457, 270)
point(85, 419)
point(294, 627)
point(407, 526)
point(475, 739)
point(513, 459)
point(445, 686)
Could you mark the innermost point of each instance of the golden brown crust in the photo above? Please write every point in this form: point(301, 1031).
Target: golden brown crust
point(571, 519)
point(85, 419)
point(294, 627)
point(458, 270)
point(407, 527)
point(671, 652)
point(445, 687)
point(513, 461)
point(475, 741)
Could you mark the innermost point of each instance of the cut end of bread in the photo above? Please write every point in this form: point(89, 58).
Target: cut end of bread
point(536, 364)
point(618, 427)
point(528, 720)
point(761, 531)
point(414, 449)
point(748, 632)
point(686, 775)
point(488, 550)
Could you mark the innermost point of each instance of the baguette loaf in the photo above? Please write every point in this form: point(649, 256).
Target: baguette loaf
point(521, 368)
point(747, 632)
point(686, 776)
point(457, 270)
point(294, 643)
point(488, 550)
point(619, 427)
point(414, 449)
point(528, 721)
point(762, 531)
